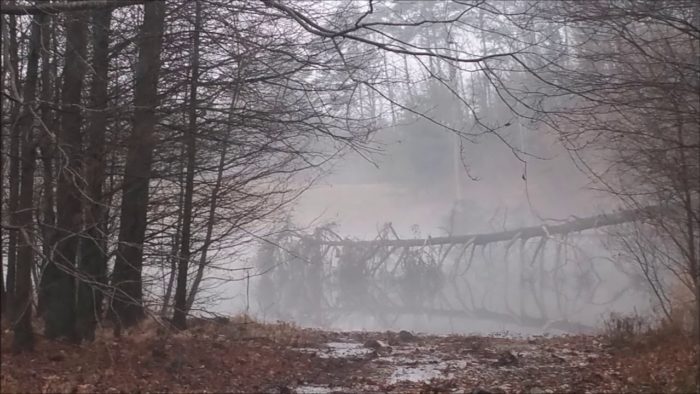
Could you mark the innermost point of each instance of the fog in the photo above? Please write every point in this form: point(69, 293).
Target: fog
point(361, 195)
point(448, 149)
point(296, 196)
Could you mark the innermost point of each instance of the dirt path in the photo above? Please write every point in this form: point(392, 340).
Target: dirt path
point(390, 362)
point(284, 359)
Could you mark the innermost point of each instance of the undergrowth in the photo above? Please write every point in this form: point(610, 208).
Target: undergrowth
point(658, 355)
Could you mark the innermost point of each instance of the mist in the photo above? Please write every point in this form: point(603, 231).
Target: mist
point(360, 196)
point(452, 150)
point(291, 196)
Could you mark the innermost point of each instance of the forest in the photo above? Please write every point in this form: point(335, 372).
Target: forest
point(284, 196)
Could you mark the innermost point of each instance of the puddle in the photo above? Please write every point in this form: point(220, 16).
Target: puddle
point(322, 389)
point(417, 374)
point(312, 389)
point(422, 370)
point(346, 350)
point(405, 364)
point(339, 350)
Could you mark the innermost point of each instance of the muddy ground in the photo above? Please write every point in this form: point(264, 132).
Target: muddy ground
point(279, 358)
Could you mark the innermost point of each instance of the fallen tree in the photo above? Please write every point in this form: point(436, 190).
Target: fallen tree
point(523, 233)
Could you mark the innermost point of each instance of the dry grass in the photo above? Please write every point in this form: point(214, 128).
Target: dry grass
point(219, 355)
point(679, 321)
point(622, 331)
point(239, 327)
point(664, 359)
point(658, 355)
point(683, 309)
point(243, 327)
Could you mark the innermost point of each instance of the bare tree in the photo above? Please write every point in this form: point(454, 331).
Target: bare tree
point(126, 277)
point(246, 96)
point(93, 262)
point(22, 310)
point(11, 65)
point(59, 283)
point(179, 318)
point(632, 119)
point(48, 149)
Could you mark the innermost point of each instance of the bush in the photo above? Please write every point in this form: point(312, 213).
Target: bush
point(624, 330)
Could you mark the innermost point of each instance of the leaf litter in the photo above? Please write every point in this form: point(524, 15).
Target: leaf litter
point(280, 358)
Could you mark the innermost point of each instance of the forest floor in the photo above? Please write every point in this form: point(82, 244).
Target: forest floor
point(226, 356)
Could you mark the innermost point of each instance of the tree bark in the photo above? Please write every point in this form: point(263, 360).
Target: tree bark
point(93, 262)
point(2, 182)
point(521, 233)
point(180, 314)
point(22, 319)
point(60, 273)
point(175, 248)
point(13, 201)
point(126, 303)
point(47, 147)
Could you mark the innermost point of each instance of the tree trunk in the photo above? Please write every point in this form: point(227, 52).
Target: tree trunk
point(390, 87)
point(172, 259)
point(93, 262)
point(174, 252)
point(214, 199)
point(523, 233)
point(59, 275)
point(47, 146)
point(3, 296)
point(180, 314)
point(22, 319)
point(126, 303)
point(2, 181)
point(13, 201)
point(210, 229)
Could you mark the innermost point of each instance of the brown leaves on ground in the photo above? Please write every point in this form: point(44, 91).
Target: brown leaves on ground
point(244, 356)
point(213, 358)
point(666, 362)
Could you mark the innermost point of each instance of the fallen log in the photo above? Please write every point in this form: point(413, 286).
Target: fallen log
point(524, 233)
